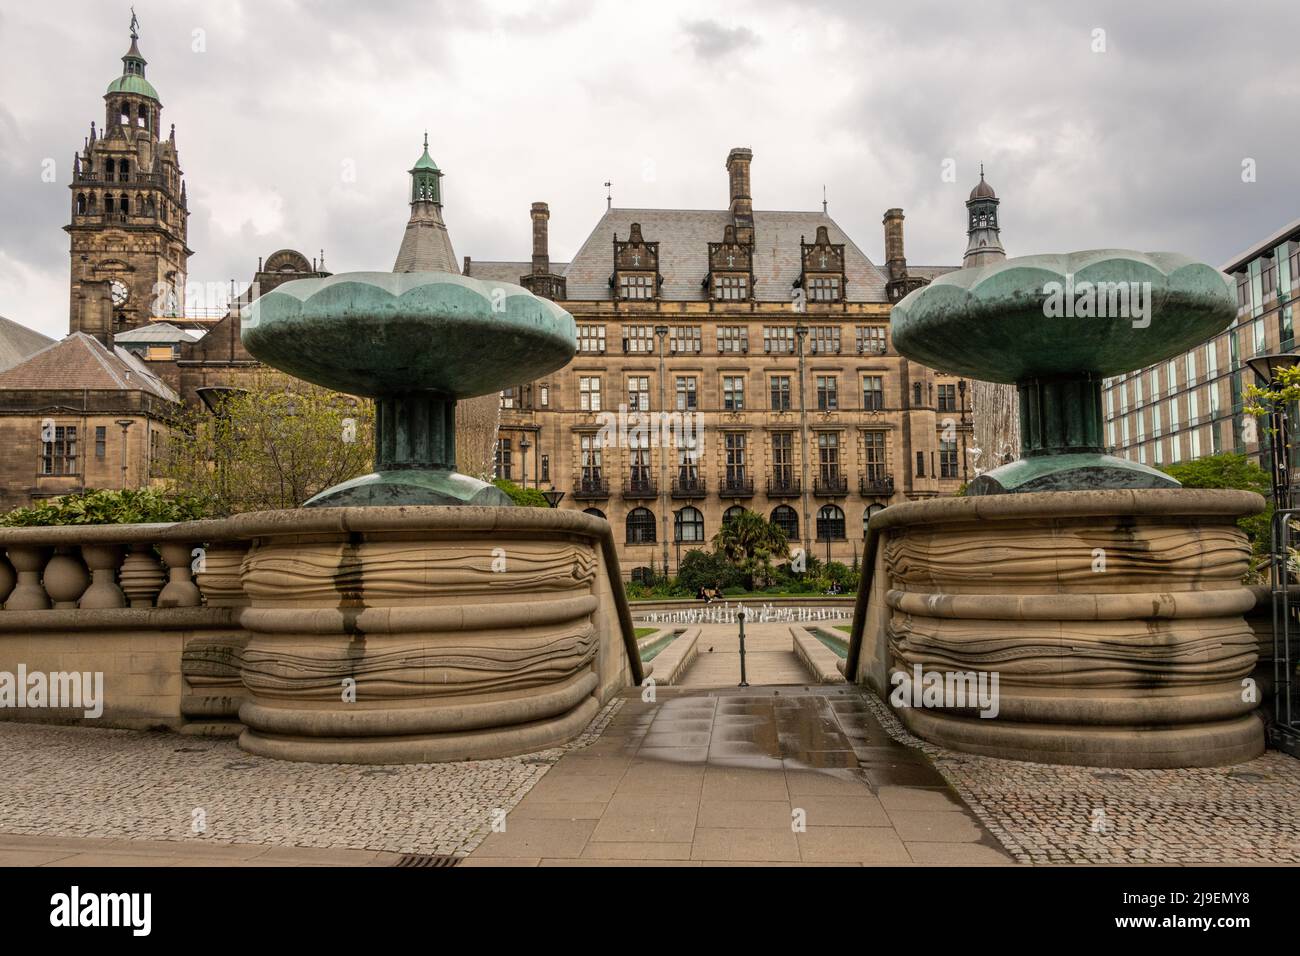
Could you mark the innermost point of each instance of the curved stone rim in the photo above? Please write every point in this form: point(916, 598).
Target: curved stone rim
point(1174, 502)
point(984, 310)
point(437, 319)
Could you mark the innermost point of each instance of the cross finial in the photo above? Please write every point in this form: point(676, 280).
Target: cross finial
point(609, 196)
point(426, 140)
point(981, 172)
point(135, 25)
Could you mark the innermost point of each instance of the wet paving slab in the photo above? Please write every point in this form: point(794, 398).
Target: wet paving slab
point(785, 775)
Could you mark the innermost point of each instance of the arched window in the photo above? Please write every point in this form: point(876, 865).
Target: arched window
point(595, 513)
point(108, 203)
point(81, 204)
point(124, 114)
point(124, 171)
point(866, 515)
point(735, 511)
point(640, 526)
point(830, 523)
point(110, 167)
point(90, 204)
point(916, 394)
point(124, 204)
point(787, 519)
point(689, 524)
point(142, 117)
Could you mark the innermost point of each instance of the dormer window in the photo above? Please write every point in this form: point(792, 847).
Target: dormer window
point(636, 287)
point(636, 267)
point(823, 278)
point(731, 288)
point(730, 268)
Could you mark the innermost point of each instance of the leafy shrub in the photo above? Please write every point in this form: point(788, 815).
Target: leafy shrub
point(524, 497)
point(130, 506)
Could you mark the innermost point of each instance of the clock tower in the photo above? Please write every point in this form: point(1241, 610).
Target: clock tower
point(129, 210)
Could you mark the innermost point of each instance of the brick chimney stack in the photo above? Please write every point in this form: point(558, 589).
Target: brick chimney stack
point(742, 202)
point(895, 259)
point(541, 247)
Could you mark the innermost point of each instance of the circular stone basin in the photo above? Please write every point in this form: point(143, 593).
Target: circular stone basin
point(1106, 311)
point(382, 333)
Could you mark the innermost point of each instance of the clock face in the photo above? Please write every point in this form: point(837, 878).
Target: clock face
point(120, 292)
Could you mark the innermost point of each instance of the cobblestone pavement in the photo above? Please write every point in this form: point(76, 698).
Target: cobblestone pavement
point(1044, 813)
point(123, 784)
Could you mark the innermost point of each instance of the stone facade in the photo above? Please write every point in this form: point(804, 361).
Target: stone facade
point(775, 330)
point(62, 414)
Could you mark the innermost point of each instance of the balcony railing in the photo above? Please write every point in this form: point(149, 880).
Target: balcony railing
point(689, 488)
point(588, 488)
point(781, 486)
point(736, 488)
point(640, 489)
point(876, 486)
point(831, 485)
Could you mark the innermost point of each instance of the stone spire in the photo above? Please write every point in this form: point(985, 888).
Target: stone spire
point(984, 242)
point(426, 246)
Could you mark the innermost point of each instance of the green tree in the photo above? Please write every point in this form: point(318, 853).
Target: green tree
point(751, 542)
point(1231, 470)
point(704, 569)
point(271, 445)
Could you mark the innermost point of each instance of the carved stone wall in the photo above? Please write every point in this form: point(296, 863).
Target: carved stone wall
point(1113, 621)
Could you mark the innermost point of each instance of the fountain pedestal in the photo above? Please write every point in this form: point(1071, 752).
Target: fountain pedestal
point(1100, 604)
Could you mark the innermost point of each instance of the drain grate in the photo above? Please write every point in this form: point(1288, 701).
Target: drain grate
point(426, 860)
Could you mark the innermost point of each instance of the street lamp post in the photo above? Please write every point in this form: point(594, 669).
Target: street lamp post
point(965, 463)
point(661, 331)
point(553, 497)
point(125, 424)
point(801, 332)
point(524, 445)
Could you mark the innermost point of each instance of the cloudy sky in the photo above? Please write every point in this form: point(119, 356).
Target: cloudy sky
point(296, 121)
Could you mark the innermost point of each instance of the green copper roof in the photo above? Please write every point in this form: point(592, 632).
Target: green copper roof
point(140, 86)
point(425, 161)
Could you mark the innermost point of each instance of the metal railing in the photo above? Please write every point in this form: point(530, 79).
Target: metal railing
point(1284, 585)
point(589, 488)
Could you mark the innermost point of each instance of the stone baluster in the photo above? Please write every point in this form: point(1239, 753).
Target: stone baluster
point(142, 575)
point(180, 590)
point(66, 579)
point(103, 561)
point(28, 594)
point(8, 577)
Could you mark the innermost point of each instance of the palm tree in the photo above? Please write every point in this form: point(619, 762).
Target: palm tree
point(750, 542)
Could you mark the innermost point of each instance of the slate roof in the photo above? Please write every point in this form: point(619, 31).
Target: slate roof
point(683, 236)
point(18, 343)
point(426, 246)
point(162, 333)
point(930, 272)
point(82, 362)
point(499, 271)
